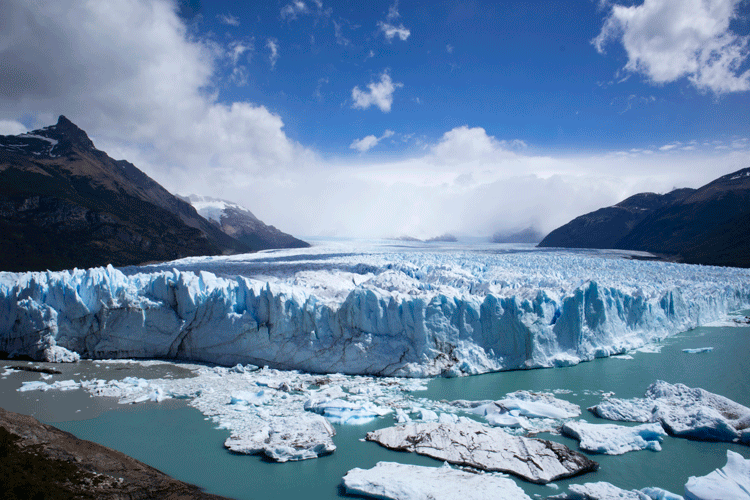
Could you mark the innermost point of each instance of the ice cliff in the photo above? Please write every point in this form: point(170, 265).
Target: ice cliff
point(383, 312)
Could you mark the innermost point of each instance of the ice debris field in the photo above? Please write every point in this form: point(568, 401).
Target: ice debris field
point(288, 415)
point(379, 310)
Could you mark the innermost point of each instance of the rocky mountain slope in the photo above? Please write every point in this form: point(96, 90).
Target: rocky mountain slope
point(709, 225)
point(64, 204)
point(604, 228)
point(240, 223)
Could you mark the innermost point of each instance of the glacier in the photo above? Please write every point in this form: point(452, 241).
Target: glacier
point(371, 310)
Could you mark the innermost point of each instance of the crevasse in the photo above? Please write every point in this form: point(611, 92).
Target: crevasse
point(382, 314)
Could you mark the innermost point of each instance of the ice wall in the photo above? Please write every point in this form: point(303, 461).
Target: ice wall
point(384, 314)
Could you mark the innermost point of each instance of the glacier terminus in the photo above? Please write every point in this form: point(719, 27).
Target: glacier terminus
point(376, 309)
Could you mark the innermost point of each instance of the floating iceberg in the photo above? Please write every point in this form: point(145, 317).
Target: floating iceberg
point(469, 443)
point(606, 491)
point(389, 480)
point(338, 411)
point(526, 410)
point(611, 439)
point(698, 350)
point(731, 481)
point(372, 311)
point(683, 412)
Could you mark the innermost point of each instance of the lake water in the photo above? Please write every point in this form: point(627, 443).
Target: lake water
point(178, 440)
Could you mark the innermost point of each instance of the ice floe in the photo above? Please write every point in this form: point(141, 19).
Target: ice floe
point(526, 410)
point(373, 310)
point(698, 350)
point(469, 443)
point(389, 480)
point(730, 482)
point(611, 439)
point(606, 491)
point(683, 411)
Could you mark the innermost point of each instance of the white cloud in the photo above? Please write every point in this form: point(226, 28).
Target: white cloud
point(465, 145)
point(364, 144)
point(293, 9)
point(370, 141)
point(239, 47)
point(393, 11)
point(380, 94)
point(340, 38)
point(131, 74)
point(12, 127)
point(666, 40)
point(229, 19)
point(449, 48)
point(390, 31)
point(273, 48)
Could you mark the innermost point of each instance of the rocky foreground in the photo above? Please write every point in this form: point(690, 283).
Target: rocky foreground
point(41, 461)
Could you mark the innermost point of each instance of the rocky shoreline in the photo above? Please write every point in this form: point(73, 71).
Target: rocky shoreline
point(41, 461)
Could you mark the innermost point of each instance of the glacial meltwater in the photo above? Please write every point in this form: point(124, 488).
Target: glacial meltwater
point(180, 441)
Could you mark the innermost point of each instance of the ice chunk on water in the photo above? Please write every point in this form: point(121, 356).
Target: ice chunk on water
point(731, 481)
point(683, 411)
point(698, 350)
point(611, 439)
point(606, 491)
point(338, 411)
point(388, 480)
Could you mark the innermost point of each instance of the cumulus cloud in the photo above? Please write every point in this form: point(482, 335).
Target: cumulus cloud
point(380, 94)
point(666, 40)
point(369, 142)
point(464, 145)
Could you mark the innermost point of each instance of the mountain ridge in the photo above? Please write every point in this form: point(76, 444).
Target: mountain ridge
point(64, 204)
point(240, 223)
point(709, 225)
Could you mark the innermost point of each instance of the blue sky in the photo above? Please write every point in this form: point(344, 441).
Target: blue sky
point(520, 70)
point(385, 118)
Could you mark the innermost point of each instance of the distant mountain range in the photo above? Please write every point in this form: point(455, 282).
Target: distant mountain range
point(240, 223)
point(709, 225)
point(65, 204)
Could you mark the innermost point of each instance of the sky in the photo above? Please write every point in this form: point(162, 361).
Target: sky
point(391, 118)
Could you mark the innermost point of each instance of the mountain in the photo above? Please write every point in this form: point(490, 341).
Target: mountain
point(528, 235)
point(709, 225)
point(64, 204)
point(240, 223)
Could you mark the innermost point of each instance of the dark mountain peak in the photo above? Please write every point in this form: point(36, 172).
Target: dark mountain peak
point(53, 141)
point(67, 133)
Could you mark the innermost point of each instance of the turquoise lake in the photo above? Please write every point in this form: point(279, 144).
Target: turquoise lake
point(179, 441)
